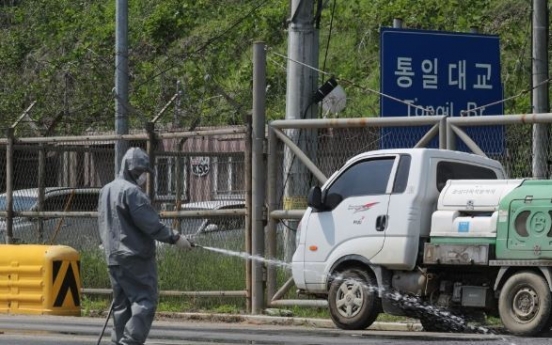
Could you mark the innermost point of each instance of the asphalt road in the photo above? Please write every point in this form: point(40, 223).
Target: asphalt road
point(50, 330)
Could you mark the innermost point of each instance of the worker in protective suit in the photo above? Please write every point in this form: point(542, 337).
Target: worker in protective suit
point(129, 226)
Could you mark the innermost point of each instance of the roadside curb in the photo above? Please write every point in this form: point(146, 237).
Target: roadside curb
point(284, 321)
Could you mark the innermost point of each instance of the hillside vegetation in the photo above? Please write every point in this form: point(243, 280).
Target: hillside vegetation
point(60, 53)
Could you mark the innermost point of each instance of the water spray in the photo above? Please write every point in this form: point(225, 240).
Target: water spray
point(411, 303)
point(246, 256)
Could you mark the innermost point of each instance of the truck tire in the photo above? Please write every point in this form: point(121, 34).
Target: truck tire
point(525, 304)
point(353, 299)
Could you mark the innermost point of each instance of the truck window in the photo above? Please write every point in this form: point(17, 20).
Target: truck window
point(461, 171)
point(368, 177)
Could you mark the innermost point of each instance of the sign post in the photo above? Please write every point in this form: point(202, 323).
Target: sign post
point(440, 73)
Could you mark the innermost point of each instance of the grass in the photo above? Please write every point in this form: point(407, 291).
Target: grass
point(94, 305)
point(310, 312)
point(196, 270)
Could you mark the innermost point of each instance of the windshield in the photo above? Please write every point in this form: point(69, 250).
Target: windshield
point(20, 203)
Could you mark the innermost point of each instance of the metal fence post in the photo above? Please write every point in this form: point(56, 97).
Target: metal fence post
point(150, 148)
point(443, 133)
point(258, 175)
point(9, 185)
point(397, 23)
point(540, 101)
point(450, 137)
point(272, 205)
point(248, 208)
point(179, 182)
point(41, 186)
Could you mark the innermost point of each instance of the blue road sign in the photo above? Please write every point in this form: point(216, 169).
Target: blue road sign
point(440, 73)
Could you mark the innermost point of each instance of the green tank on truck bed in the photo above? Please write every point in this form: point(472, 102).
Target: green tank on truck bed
point(524, 229)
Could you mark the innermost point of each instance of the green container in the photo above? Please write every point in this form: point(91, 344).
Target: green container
point(524, 227)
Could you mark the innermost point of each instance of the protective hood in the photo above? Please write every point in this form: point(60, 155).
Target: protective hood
point(127, 222)
point(135, 161)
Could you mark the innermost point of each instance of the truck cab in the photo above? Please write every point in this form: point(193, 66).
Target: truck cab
point(369, 223)
point(377, 210)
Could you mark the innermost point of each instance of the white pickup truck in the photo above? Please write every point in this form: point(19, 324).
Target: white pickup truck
point(444, 227)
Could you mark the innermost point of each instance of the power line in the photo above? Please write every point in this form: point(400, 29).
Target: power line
point(519, 94)
point(429, 111)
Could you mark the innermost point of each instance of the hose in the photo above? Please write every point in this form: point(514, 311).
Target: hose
point(106, 321)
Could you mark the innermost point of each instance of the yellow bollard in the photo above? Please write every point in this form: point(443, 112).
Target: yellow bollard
point(39, 279)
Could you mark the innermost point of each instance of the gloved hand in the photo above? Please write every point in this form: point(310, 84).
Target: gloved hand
point(182, 242)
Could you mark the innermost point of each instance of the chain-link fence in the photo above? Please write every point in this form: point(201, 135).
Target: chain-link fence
point(50, 188)
point(199, 187)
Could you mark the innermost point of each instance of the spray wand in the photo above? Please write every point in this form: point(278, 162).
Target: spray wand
point(194, 245)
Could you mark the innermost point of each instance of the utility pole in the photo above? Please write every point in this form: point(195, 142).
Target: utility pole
point(540, 92)
point(302, 83)
point(121, 79)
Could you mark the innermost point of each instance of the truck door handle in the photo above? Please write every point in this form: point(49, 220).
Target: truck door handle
point(381, 222)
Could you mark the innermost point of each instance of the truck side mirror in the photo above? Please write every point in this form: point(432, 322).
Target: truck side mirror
point(314, 198)
point(332, 200)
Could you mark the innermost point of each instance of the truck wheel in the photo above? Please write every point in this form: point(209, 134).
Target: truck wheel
point(353, 299)
point(525, 304)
